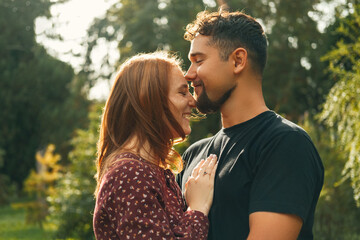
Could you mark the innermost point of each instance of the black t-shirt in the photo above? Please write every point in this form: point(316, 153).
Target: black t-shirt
point(265, 164)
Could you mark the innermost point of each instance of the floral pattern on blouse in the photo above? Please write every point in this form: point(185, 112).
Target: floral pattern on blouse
point(138, 200)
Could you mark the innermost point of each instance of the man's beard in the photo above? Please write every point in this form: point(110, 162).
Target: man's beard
point(206, 106)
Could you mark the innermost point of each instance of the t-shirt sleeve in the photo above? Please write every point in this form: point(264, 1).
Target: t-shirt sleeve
point(133, 199)
point(288, 177)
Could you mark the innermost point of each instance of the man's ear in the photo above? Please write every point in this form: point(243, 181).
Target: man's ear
point(239, 59)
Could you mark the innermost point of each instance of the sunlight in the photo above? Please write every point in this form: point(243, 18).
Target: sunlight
point(70, 22)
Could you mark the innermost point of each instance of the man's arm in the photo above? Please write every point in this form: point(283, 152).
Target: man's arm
point(274, 226)
point(285, 190)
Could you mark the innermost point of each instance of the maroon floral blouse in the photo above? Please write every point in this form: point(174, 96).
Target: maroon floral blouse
point(138, 200)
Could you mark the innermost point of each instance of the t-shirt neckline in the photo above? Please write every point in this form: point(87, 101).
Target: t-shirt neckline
point(250, 121)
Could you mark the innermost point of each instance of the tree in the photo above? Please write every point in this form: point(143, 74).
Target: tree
point(144, 26)
point(72, 200)
point(41, 98)
point(336, 215)
point(341, 111)
point(294, 81)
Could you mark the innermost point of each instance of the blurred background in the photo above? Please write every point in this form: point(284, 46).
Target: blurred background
point(57, 63)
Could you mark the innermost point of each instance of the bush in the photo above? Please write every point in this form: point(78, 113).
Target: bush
point(72, 203)
point(336, 216)
point(8, 190)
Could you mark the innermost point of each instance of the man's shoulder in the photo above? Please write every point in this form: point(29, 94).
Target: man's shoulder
point(281, 125)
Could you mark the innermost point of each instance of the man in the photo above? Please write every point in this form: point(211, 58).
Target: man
point(269, 173)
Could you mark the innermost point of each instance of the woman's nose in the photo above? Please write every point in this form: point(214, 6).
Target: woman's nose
point(192, 102)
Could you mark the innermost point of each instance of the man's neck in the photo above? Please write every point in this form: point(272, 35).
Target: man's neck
point(244, 104)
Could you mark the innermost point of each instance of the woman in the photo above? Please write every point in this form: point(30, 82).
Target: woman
point(137, 197)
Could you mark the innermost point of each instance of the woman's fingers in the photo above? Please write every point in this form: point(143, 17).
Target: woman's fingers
point(205, 167)
point(196, 169)
point(212, 165)
point(199, 189)
point(205, 164)
point(209, 164)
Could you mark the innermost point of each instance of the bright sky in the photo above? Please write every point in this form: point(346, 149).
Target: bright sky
point(72, 19)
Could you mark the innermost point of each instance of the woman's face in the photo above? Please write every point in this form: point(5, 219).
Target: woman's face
point(180, 100)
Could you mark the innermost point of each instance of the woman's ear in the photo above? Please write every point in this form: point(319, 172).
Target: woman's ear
point(239, 58)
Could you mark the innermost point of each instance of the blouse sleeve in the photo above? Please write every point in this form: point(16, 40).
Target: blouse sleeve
point(133, 199)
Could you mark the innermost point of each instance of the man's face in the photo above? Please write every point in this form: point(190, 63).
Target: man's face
point(211, 77)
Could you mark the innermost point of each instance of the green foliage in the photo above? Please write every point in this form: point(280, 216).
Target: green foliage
point(341, 111)
point(8, 189)
point(293, 81)
point(39, 185)
point(143, 26)
point(13, 226)
point(72, 202)
point(293, 71)
point(41, 99)
point(336, 215)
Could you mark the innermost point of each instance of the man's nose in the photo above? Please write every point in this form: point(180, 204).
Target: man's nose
point(190, 74)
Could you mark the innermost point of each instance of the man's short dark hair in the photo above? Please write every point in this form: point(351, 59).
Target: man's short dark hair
point(231, 30)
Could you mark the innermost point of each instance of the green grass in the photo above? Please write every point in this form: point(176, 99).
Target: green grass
point(13, 226)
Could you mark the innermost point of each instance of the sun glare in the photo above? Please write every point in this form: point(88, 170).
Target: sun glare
point(64, 33)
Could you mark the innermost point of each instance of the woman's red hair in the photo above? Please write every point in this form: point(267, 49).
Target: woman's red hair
point(138, 107)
